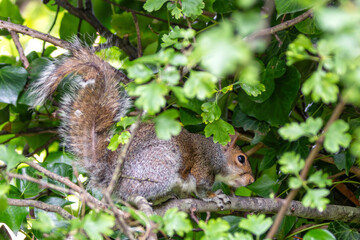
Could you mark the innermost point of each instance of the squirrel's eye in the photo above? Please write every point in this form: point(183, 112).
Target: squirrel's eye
point(241, 159)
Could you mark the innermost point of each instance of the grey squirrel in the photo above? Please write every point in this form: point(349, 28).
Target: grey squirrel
point(187, 163)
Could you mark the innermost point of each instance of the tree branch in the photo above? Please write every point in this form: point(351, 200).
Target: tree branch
point(308, 162)
point(33, 33)
point(279, 27)
point(88, 16)
point(20, 49)
point(40, 205)
point(266, 206)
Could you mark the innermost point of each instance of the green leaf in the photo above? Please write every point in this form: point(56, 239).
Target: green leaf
point(295, 182)
point(170, 75)
point(219, 51)
point(10, 11)
point(291, 163)
point(176, 221)
point(294, 131)
point(264, 185)
point(344, 161)
point(154, 5)
point(249, 80)
point(211, 112)
point(215, 228)
point(10, 157)
point(14, 216)
point(192, 8)
point(175, 11)
point(126, 121)
point(220, 131)
point(256, 224)
point(140, 73)
point(44, 223)
point(96, 224)
point(319, 234)
point(200, 84)
point(69, 28)
point(336, 136)
point(188, 117)
point(291, 6)
point(117, 139)
point(4, 114)
point(322, 86)
point(275, 110)
point(12, 82)
point(27, 188)
point(151, 97)
point(316, 198)
point(343, 231)
point(166, 126)
point(320, 179)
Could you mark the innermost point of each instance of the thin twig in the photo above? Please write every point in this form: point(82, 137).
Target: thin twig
point(41, 183)
point(256, 148)
point(20, 49)
point(40, 205)
point(308, 163)
point(138, 34)
point(33, 33)
point(279, 27)
point(87, 15)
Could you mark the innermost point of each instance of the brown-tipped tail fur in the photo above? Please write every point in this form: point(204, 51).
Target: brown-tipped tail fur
point(89, 109)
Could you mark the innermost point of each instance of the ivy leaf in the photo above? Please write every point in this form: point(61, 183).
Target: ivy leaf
point(96, 224)
point(320, 179)
point(249, 81)
point(220, 131)
point(211, 112)
point(176, 221)
point(256, 224)
point(319, 234)
point(14, 216)
point(286, 6)
point(343, 231)
point(151, 97)
point(291, 163)
point(166, 126)
point(192, 8)
point(294, 131)
point(344, 161)
point(140, 73)
point(316, 198)
point(275, 110)
point(336, 136)
point(322, 86)
point(200, 84)
point(12, 82)
point(8, 155)
point(264, 186)
point(153, 5)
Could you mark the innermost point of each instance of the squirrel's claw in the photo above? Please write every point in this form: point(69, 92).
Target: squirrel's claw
point(219, 197)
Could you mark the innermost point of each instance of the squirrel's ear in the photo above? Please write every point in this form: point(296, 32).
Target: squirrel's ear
point(232, 142)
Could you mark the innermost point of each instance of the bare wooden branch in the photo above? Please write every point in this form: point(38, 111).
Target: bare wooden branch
point(40, 205)
point(266, 206)
point(87, 15)
point(20, 49)
point(33, 33)
point(308, 163)
point(138, 34)
point(279, 27)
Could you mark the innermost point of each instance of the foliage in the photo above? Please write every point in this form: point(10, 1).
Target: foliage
point(202, 68)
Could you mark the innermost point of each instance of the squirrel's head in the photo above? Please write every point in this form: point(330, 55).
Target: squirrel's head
point(237, 170)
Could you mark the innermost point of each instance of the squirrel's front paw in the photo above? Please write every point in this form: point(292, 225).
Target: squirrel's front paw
point(219, 197)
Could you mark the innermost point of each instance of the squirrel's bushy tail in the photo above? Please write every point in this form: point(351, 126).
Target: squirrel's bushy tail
point(90, 107)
